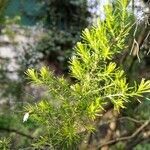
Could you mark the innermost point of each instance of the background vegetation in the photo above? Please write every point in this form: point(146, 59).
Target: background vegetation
point(47, 32)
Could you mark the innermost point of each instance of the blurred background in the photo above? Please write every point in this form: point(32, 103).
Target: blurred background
point(44, 32)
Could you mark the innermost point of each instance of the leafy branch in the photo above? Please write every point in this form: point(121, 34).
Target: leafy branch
point(73, 107)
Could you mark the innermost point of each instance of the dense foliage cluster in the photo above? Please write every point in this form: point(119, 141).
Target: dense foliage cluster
point(84, 109)
point(71, 108)
point(45, 14)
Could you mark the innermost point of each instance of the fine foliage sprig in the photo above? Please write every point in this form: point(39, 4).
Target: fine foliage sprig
point(73, 107)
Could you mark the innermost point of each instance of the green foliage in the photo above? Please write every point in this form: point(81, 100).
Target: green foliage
point(72, 107)
point(13, 90)
point(4, 143)
point(67, 14)
point(143, 146)
point(3, 4)
point(8, 22)
point(56, 46)
point(64, 21)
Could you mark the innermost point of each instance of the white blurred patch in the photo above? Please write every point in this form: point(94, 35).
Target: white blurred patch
point(25, 117)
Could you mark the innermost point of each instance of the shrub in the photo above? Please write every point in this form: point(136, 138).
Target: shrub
point(72, 108)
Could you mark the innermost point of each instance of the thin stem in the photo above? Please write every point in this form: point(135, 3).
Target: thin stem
point(17, 132)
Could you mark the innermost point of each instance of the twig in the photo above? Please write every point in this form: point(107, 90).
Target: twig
point(123, 118)
point(127, 137)
point(144, 137)
point(134, 34)
point(132, 119)
point(135, 43)
point(17, 132)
